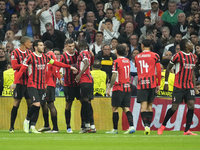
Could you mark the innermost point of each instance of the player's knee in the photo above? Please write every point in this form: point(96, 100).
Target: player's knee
point(114, 109)
point(174, 107)
point(126, 109)
point(17, 103)
point(190, 104)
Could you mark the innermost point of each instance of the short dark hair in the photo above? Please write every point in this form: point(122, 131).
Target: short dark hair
point(183, 43)
point(178, 33)
point(109, 20)
point(116, 1)
point(100, 3)
point(146, 42)
point(24, 39)
point(147, 17)
point(150, 29)
point(83, 44)
point(115, 39)
point(194, 33)
point(121, 49)
point(35, 43)
point(69, 41)
point(56, 49)
point(137, 3)
point(71, 24)
point(48, 24)
point(165, 62)
point(110, 10)
point(48, 44)
point(75, 14)
point(97, 64)
point(99, 32)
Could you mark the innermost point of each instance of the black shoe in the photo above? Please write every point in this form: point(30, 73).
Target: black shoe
point(11, 130)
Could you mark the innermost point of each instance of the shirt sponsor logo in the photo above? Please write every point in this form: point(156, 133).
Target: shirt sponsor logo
point(145, 82)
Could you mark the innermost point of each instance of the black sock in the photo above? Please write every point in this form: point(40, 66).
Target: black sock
point(55, 123)
point(115, 120)
point(130, 118)
point(67, 118)
point(82, 118)
point(33, 109)
point(13, 116)
point(149, 118)
point(144, 118)
point(91, 115)
point(34, 116)
point(46, 119)
point(167, 116)
point(189, 117)
point(86, 111)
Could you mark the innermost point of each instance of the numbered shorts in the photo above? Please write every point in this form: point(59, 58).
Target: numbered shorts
point(121, 99)
point(71, 93)
point(20, 92)
point(146, 95)
point(182, 94)
point(87, 90)
point(36, 95)
point(50, 95)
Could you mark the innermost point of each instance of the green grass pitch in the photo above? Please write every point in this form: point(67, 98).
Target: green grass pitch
point(170, 140)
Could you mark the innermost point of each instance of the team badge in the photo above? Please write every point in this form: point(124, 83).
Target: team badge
point(15, 94)
point(174, 99)
point(33, 98)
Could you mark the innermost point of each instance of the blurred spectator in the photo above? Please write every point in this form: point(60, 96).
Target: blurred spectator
point(47, 14)
point(14, 17)
point(177, 49)
point(172, 47)
point(183, 4)
point(194, 39)
point(147, 23)
point(166, 37)
point(133, 43)
point(29, 21)
point(8, 79)
point(4, 11)
point(194, 9)
point(198, 87)
point(145, 5)
point(76, 21)
point(154, 12)
point(92, 6)
point(66, 13)
point(90, 18)
point(90, 29)
point(57, 90)
point(127, 55)
point(70, 29)
point(100, 13)
point(171, 78)
point(114, 43)
point(10, 37)
point(3, 63)
point(97, 45)
point(197, 49)
point(171, 14)
point(82, 11)
point(129, 5)
point(168, 55)
point(55, 36)
point(10, 6)
point(15, 28)
point(100, 79)
point(110, 15)
point(181, 26)
point(163, 5)
point(74, 6)
point(190, 28)
point(138, 15)
point(81, 35)
point(133, 69)
point(106, 57)
point(60, 24)
point(108, 32)
point(2, 23)
point(124, 37)
point(110, 5)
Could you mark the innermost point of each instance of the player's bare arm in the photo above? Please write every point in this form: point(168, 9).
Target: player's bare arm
point(158, 68)
point(86, 65)
point(112, 82)
point(169, 67)
point(194, 82)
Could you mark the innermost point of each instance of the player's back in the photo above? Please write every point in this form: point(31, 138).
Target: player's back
point(146, 67)
point(122, 67)
point(86, 76)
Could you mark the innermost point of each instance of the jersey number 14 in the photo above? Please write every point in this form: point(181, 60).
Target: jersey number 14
point(143, 65)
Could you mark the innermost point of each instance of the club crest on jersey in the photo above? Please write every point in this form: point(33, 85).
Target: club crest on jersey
point(15, 94)
point(33, 98)
point(12, 57)
point(174, 99)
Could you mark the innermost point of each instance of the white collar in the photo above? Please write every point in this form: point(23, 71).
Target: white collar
point(37, 55)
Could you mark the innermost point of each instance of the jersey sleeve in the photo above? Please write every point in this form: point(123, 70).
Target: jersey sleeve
point(62, 58)
point(27, 60)
point(157, 58)
point(175, 59)
point(13, 56)
point(115, 65)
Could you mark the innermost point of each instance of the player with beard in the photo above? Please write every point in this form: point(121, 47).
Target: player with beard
point(36, 63)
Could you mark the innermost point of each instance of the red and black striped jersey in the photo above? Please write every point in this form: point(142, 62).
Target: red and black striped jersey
point(52, 72)
point(17, 57)
point(122, 67)
point(37, 66)
point(145, 63)
point(184, 63)
point(69, 77)
point(86, 76)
